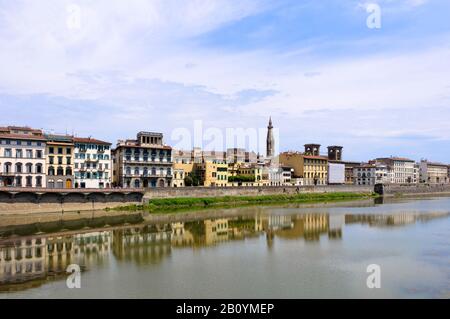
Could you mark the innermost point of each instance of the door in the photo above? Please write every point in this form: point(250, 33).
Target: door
point(69, 183)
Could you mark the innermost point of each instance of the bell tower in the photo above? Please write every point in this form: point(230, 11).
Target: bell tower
point(270, 140)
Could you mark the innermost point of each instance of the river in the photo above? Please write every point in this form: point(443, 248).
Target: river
point(293, 251)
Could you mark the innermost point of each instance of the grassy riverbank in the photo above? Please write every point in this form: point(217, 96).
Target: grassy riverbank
point(176, 204)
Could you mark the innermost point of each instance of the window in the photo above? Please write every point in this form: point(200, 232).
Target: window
point(68, 171)
point(38, 168)
point(7, 168)
point(69, 161)
point(8, 152)
point(29, 168)
point(51, 171)
point(29, 153)
point(39, 181)
point(19, 154)
point(29, 181)
point(51, 150)
point(19, 168)
point(38, 154)
point(68, 151)
point(60, 160)
point(60, 150)
point(60, 172)
point(51, 160)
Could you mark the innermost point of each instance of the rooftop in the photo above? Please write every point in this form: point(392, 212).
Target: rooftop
point(89, 140)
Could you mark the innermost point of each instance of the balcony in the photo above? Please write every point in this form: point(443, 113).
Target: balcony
point(146, 176)
point(9, 174)
point(149, 161)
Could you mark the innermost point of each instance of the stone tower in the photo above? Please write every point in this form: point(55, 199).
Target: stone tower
point(335, 153)
point(270, 140)
point(312, 149)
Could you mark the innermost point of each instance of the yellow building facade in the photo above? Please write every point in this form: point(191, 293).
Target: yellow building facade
point(60, 161)
point(180, 172)
point(212, 173)
point(312, 169)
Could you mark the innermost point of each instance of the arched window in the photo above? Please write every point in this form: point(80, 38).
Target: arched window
point(60, 183)
point(145, 171)
point(128, 171)
point(19, 168)
point(7, 168)
point(161, 171)
point(29, 168)
point(153, 171)
point(137, 184)
point(51, 171)
point(60, 172)
point(68, 171)
point(136, 171)
point(38, 168)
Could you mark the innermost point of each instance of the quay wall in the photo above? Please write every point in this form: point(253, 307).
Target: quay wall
point(52, 201)
point(251, 191)
point(421, 189)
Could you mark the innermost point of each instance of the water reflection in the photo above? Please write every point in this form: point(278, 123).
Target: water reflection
point(40, 257)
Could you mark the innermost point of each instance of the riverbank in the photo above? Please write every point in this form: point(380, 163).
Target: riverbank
point(170, 205)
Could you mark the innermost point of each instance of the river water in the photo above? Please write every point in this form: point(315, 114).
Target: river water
point(251, 252)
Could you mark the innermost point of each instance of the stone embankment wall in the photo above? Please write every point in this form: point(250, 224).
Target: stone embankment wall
point(251, 191)
point(31, 202)
point(396, 190)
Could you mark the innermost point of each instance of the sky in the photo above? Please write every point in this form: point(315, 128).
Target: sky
point(110, 68)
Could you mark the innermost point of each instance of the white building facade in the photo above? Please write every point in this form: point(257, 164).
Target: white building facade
point(401, 170)
point(371, 174)
point(92, 164)
point(433, 173)
point(22, 157)
point(336, 173)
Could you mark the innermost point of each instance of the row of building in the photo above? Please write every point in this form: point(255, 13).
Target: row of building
point(31, 158)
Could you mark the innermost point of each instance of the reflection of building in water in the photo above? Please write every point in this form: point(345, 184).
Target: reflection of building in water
point(31, 258)
point(180, 236)
point(382, 220)
point(22, 259)
point(214, 231)
point(308, 226)
point(336, 222)
point(143, 244)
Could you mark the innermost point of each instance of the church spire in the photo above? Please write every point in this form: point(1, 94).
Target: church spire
point(270, 140)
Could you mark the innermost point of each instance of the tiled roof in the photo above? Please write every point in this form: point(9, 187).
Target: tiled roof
point(89, 141)
point(22, 137)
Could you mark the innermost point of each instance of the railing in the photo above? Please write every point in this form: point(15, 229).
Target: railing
point(147, 176)
point(147, 162)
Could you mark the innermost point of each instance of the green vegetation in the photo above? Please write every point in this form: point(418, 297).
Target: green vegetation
point(175, 204)
point(191, 180)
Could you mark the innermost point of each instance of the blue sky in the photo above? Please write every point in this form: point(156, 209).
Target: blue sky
point(111, 68)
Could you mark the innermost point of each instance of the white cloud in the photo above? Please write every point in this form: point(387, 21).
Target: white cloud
point(139, 61)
